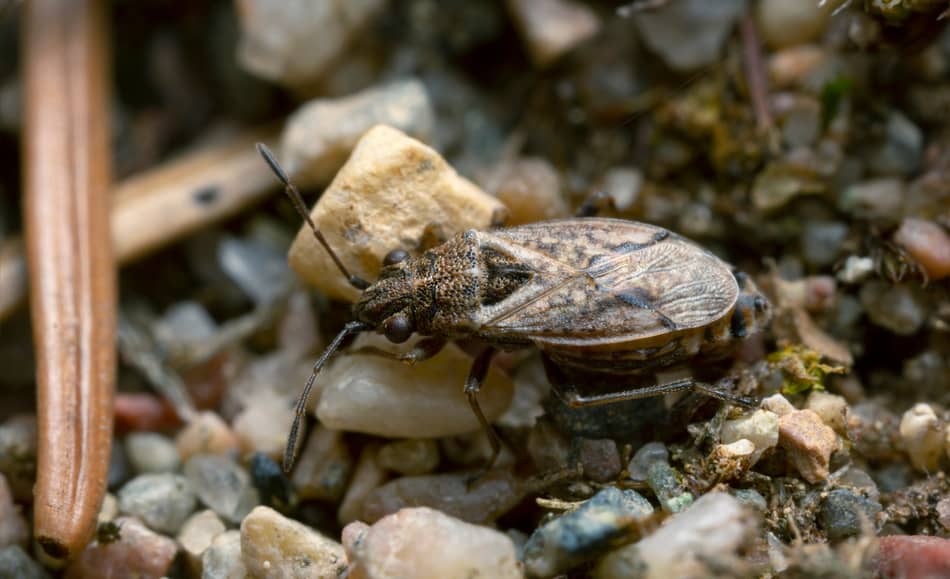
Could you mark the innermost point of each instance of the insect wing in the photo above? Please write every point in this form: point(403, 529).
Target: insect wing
point(607, 280)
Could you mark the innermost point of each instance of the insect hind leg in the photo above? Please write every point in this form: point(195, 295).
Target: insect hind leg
point(571, 397)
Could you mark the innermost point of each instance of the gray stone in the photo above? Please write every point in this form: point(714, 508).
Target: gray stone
point(689, 34)
point(843, 513)
point(821, 241)
point(901, 309)
point(585, 533)
point(150, 452)
point(645, 456)
point(16, 564)
point(163, 500)
point(222, 560)
point(222, 485)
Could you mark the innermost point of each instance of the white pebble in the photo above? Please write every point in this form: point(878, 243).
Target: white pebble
point(923, 436)
point(760, 428)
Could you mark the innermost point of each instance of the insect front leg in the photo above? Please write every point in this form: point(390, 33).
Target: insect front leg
point(473, 384)
point(423, 350)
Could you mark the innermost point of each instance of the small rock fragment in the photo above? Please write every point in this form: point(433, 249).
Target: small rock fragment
point(258, 268)
point(324, 466)
point(778, 404)
point(196, 536)
point(624, 185)
point(263, 424)
point(644, 458)
point(552, 28)
point(222, 485)
point(901, 308)
point(139, 552)
point(927, 243)
point(821, 241)
point(206, 433)
point(664, 482)
point(371, 394)
point(790, 22)
point(688, 34)
point(163, 501)
point(277, 41)
point(13, 527)
point(856, 269)
point(831, 408)
point(150, 452)
point(712, 528)
point(600, 459)
point(18, 454)
point(388, 194)
point(424, 543)
point(273, 546)
point(367, 476)
point(222, 559)
point(409, 457)
point(808, 442)
point(482, 501)
point(16, 564)
point(901, 149)
point(791, 66)
point(923, 436)
point(759, 427)
point(943, 513)
point(320, 136)
point(585, 533)
point(917, 556)
point(843, 513)
point(530, 188)
point(876, 198)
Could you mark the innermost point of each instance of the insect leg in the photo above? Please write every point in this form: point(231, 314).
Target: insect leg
point(423, 350)
point(595, 204)
point(575, 400)
point(472, 385)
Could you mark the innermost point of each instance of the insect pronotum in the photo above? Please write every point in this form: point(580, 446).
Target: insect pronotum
point(603, 296)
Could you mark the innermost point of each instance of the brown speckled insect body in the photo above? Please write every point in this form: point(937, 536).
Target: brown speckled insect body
point(604, 296)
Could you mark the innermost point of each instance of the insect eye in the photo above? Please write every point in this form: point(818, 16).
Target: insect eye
point(397, 329)
point(395, 256)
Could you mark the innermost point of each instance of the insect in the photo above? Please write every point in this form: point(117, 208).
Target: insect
point(595, 295)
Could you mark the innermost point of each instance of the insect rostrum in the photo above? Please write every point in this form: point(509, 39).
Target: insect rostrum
point(606, 296)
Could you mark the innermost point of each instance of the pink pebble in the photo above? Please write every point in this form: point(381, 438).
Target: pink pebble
point(914, 557)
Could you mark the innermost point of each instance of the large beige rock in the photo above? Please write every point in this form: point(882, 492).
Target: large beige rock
point(387, 195)
point(274, 546)
point(375, 395)
point(424, 543)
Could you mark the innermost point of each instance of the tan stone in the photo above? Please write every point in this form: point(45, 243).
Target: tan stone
point(273, 546)
point(809, 443)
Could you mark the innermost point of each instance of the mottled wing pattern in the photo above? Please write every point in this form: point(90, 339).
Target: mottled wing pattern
point(606, 280)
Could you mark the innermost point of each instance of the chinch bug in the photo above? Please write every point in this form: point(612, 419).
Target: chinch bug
point(606, 297)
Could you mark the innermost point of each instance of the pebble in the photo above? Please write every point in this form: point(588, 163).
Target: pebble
point(264, 423)
point(552, 28)
point(646, 455)
point(714, 526)
point(808, 442)
point(271, 483)
point(206, 433)
point(821, 241)
point(196, 536)
point(778, 404)
point(689, 34)
point(16, 564)
point(786, 23)
point(880, 198)
point(923, 437)
point(163, 501)
point(856, 269)
point(927, 243)
point(390, 191)
point(222, 559)
point(367, 476)
point(943, 513)
point(370, 394)
point(258, 268)
point(482, 501)
point(18, 454)
point(109, 509)
point(319, 137)
point(530, 188)
point(792, 66)
point(917, 556)
point(150, 452)
point(222, 485)
point(409, 457)
point(624, 185)
point(664, 482)
point(901, 308)
point(139, 552)
point(759, 427)
point(184, 324)
point(752, 499)
point(600, 459)
point(902, 149)
point(278, 43)
point(13, 526)
point(584, 533)
point(843, 513)
point(274, 546)
point(831, 408)
point(324, 466)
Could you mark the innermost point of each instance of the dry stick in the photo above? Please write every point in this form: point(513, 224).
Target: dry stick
point(66, 179)
point(164, 204)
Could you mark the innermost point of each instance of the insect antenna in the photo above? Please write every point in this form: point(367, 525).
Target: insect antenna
point(295, 198)
point(290, 452)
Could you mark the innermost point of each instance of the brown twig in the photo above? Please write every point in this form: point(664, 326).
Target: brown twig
point(755, 74)
point(166, 203)
point(66, 179)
